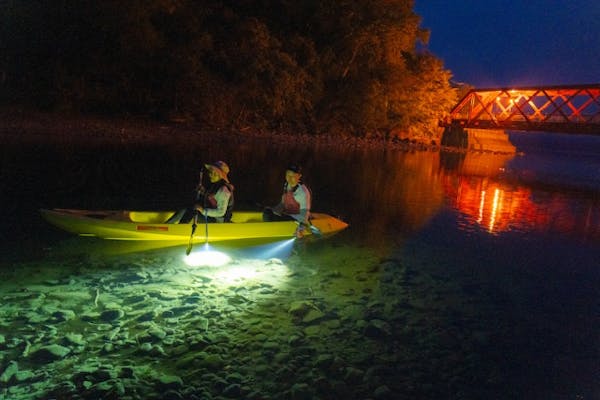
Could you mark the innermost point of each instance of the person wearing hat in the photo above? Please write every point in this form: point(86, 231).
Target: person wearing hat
point(215, 202)
point(217, 198)
point(295, 201)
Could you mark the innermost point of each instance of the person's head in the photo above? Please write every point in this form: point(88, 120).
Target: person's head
point(217, 171)
point(293, 174)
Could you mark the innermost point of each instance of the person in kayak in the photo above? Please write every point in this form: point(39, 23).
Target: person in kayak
point(217, 199)
point(295, 201)
point(213, 203)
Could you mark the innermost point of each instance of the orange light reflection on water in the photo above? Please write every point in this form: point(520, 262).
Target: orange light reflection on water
point(500, 207)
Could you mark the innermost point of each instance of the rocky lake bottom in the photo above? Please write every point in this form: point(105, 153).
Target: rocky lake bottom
point(329, 322)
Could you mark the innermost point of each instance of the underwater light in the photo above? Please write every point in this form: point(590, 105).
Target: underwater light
point(207, 258)
point(281, 249)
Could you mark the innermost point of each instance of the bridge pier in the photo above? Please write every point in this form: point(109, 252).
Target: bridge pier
point(495, 140)
point(455, 136)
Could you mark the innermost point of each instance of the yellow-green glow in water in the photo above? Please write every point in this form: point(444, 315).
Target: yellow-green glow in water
point(237, 273)
point(261, 264)
point(206, 257)
point(245, 272)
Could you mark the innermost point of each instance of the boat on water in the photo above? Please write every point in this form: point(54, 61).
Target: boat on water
point(152, 225)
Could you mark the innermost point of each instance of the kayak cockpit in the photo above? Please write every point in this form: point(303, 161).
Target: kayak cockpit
point(150, 217)
point(161, 217)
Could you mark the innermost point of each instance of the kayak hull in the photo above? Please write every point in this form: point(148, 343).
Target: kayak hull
point(152, 226)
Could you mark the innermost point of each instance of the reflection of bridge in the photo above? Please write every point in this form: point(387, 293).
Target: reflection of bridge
point(568, 109)
point(503, 207)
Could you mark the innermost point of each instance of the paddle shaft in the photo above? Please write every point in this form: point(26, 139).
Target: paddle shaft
point(195, 220)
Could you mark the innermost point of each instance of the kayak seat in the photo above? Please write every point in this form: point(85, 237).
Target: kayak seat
point(152, 217)
point(245, 217)
point(175, 218)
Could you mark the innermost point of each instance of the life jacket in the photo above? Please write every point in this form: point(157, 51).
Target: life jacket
point(211, 202)
point(290, 205)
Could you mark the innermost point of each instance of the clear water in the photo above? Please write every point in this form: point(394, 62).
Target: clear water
point(461, 275)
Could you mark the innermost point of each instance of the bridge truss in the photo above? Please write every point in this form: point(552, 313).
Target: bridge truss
point(569, 109)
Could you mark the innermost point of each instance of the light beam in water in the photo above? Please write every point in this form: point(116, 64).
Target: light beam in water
point(207, 257)
point(281, 250)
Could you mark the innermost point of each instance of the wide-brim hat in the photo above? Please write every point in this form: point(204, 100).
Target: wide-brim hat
point(221, 168)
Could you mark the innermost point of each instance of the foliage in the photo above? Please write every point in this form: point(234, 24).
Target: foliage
point(331, 66)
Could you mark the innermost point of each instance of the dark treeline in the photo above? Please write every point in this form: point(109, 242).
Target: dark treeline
point(349, 67)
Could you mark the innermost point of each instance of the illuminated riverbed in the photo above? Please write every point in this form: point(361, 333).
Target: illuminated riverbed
point(460, 276)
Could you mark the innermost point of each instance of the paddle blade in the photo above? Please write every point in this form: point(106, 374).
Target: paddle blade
point(316, 231)
point(191, 242)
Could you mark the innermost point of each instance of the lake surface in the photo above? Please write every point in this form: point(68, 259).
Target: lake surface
point(460, 276)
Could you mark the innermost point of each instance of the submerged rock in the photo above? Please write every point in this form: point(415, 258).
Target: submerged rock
point(301, 391)
point(166, 382)
point(377, 329)
point(50, 353)
point(313, 316)
point(7, 374)
point(75, 338)
point(112, 315)
point(63, 315)
point(300, 308)
point(382, 393)
point(157, 333)
point(232, 391)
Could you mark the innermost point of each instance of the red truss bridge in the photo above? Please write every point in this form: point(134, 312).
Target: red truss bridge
point(568, 109)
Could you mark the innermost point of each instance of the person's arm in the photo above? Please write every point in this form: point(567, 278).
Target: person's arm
point(302, 196)
point(222, 197)
point(200, 190)
point(278, 208)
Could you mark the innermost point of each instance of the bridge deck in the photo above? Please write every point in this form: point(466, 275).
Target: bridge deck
point(569, 109)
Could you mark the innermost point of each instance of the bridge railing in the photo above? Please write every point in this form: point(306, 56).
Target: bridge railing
point(555, 108)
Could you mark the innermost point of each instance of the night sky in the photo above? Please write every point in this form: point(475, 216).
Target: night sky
point(499, 43)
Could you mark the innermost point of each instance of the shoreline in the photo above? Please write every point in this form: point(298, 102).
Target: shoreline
point(23, 127)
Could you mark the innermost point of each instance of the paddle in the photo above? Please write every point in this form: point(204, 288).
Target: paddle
point(315, 231)
point(195, 219)
point(190, 243)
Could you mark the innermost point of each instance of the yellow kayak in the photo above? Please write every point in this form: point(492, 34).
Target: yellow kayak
point(151, 225)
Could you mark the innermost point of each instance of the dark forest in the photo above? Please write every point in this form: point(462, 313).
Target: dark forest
point(336, 67)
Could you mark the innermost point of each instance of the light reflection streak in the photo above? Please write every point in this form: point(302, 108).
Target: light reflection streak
point(481, 205)
point(494, 211)
point(515, 208)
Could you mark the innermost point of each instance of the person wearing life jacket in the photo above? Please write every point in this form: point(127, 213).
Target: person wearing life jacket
point(217, 201)
point(213, 203)
point(295, 201)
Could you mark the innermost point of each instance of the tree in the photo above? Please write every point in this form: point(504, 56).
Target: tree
point(349, 67)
